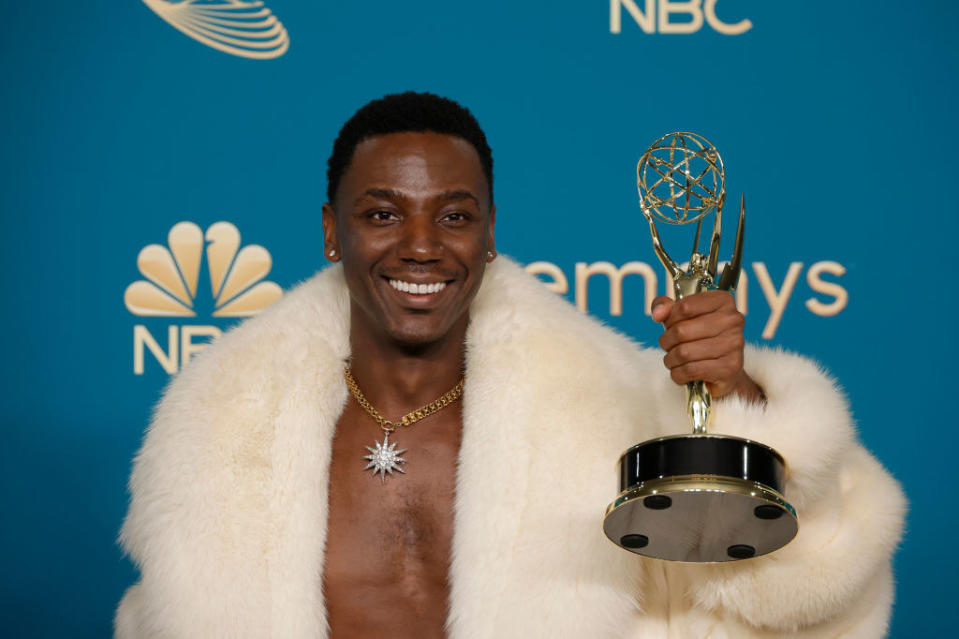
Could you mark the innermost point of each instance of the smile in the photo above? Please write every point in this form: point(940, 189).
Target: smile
point(417, 289)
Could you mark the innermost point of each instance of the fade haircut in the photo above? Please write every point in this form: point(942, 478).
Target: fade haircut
point(403, 113)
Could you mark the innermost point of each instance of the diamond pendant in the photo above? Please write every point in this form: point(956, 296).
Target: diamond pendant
point(384, 458)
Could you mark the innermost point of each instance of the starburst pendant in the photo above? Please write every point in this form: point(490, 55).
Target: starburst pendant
point(384, 458)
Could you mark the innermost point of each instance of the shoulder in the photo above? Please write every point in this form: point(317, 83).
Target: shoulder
point(300, 333)
point(513, 307)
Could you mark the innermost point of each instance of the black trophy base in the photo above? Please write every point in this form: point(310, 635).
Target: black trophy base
point(701, 498)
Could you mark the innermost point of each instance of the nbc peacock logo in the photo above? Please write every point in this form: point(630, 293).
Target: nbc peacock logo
point(243, 28)
point(172, 285)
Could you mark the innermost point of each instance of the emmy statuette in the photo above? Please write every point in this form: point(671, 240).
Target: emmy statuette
point(701, 497)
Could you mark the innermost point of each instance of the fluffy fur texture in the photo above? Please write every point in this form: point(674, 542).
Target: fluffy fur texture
point(227, 520)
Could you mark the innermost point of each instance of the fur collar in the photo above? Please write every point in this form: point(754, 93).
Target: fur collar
point(230, 487)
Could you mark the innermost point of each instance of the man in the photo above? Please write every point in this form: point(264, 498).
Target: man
point(279, 494)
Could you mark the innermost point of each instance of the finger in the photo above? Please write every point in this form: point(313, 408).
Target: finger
point(660, 308)
point(699, 304)
point(712, 371)
point(702, 327)
point(713, 348)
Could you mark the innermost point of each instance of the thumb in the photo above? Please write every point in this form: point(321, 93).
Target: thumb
point(660, 308)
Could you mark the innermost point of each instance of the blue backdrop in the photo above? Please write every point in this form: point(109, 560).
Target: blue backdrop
point(836, 119)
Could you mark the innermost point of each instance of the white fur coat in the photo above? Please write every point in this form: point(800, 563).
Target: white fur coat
point(227, 520)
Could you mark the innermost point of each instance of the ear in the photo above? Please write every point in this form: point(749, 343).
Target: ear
point(491, 239)
point(331, 246)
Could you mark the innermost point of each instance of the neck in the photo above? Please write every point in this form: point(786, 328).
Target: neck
point(397, 378)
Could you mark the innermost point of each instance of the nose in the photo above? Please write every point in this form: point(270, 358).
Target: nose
point(420, 241)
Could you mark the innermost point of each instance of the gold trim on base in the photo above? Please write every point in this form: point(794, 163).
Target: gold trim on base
point(712, 483)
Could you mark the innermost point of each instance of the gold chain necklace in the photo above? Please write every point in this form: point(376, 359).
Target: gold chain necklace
point(385, 458)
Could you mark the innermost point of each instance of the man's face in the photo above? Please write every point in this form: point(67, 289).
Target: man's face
point(413, 224)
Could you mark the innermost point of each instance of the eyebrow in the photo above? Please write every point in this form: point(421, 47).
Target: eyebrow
point(382, 194)
point(457, 195)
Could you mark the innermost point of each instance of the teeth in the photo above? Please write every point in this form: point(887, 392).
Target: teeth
point(418, 289)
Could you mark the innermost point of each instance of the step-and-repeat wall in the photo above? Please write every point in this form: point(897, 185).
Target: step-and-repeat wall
point(135, 130)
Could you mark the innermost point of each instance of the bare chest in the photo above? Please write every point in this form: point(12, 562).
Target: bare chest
point(388, 542)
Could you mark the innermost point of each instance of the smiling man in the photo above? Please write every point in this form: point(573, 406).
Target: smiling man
point(420, 440)
point(410, 215)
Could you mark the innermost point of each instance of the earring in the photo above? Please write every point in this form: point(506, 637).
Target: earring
point(490, 255)
point(332, 252)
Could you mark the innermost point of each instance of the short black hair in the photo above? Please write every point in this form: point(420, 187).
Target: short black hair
point(402, 113)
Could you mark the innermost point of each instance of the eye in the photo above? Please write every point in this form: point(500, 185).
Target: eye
point(456, 218)
point(382, 216)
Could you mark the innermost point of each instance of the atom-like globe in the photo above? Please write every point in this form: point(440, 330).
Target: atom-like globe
point(681, 178)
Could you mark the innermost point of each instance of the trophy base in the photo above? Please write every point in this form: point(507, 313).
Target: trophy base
point(732, 508)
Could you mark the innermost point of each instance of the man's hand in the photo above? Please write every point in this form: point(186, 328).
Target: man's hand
point(704, 341)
